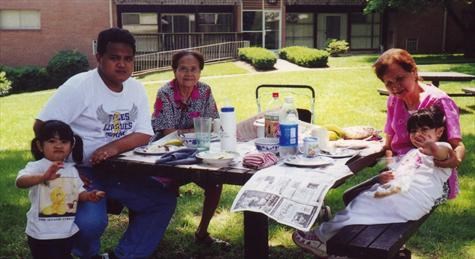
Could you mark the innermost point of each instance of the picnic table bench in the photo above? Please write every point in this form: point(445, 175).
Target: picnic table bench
point(373, 241)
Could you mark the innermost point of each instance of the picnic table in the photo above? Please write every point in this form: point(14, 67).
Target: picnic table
point(255, 224)
point(437, 77)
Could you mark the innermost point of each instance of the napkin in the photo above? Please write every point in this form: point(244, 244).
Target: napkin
point(259, 160)
point(184, 156)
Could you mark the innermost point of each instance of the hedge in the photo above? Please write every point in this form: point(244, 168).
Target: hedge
point(260, 58)
point(304, 56)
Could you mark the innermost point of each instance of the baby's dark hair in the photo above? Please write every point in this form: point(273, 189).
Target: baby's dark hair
point(432, 117)
point(51, 129)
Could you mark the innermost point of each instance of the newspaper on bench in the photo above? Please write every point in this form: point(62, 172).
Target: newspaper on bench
point(290, 195)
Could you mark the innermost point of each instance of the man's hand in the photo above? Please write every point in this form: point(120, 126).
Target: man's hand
point(451, 162)
point(95, 195)
point(103, 153)
point(52, 172)
point(385, 177)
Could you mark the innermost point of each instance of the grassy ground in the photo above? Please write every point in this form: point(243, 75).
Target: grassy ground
point(346, 95)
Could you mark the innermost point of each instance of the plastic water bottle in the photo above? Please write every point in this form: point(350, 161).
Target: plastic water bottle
point(228, 129)
point(288, 122)
point(271, 117)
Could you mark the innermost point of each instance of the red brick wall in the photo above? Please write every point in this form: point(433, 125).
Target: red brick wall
point(427, 27)
point(71, 24)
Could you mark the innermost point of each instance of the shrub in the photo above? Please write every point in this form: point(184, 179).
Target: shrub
point(5, 84)
point(65, 64)
point(304, 56)
point(337, 47)
point(27, 78)
point(260, 58)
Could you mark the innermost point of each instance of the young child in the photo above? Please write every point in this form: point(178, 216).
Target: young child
point(55, 189)
point(416, 184)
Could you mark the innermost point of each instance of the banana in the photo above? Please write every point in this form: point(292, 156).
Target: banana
point(174, 142)
point(332, 135)
point(339, 131)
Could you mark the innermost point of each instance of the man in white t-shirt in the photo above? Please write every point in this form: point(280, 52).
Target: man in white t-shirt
point(110, 111)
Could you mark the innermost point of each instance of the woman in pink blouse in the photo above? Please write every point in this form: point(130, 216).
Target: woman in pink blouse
point(398, 71)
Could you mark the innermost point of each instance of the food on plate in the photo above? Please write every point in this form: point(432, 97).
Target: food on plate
point(335, 132)
point(359, 132)
point(153, 149)
point(174, 142)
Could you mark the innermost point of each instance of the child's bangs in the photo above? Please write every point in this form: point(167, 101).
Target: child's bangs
point(53, 129)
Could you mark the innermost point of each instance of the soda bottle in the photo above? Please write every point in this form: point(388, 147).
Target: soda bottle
point(271, 117)
point(288, 123)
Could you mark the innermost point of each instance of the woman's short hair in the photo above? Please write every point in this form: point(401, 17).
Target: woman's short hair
point(114, 35)
point(177, 56)
point(391, 56)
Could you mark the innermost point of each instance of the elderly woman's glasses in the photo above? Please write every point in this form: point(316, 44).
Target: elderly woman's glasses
point(193, 70)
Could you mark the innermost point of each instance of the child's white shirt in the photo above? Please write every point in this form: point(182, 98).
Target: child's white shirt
point(53, 205)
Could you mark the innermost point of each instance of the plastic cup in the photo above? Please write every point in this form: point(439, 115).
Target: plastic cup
point(202, 132)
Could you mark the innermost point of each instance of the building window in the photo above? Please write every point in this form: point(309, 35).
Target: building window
point(176, 23)
point(299, 29)
point(140, 22)
point(215, 22)
point(20, 19)
point(262, 29)
point(365, 31)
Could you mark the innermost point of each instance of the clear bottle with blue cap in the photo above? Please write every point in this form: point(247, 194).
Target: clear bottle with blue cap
point(228, 129)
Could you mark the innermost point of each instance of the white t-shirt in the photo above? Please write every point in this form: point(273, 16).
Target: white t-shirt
point(98, 114)
point(53, 205)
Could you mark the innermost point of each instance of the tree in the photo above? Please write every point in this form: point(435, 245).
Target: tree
point(465, 21)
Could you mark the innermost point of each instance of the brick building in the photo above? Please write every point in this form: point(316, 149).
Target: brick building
point(32, 31)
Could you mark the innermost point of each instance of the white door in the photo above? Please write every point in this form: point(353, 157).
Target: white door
point(331, 26)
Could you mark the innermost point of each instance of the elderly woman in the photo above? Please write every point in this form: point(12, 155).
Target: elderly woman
point(397, 70)
point(177, 103)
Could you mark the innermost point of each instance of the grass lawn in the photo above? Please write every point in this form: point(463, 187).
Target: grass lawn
point(346, 95)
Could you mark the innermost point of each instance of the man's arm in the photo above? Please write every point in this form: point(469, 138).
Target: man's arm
point(119, 146)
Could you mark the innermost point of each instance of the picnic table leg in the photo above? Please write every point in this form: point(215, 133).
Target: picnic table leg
point(255, 235)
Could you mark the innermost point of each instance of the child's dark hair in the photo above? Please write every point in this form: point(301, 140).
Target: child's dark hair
point(432, 118)
point(114, 35)
point(53, 128)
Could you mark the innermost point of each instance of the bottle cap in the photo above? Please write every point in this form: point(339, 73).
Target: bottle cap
point(275, 94)
point(227, 109)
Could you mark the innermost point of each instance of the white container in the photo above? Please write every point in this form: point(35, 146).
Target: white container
point(228, 126)
point(322, 134)
point(288, 124)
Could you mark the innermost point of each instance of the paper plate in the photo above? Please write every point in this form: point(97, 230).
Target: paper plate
point(339, 153)
point(351, 143)
point(155, 149)
point(217, 159)
point(308, 162)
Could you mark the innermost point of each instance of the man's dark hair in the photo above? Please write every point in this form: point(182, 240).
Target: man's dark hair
point(114, 35)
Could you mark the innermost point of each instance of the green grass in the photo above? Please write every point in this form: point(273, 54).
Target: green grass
point(346, 95)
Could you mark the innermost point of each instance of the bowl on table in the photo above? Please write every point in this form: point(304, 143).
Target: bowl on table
point(267, 145)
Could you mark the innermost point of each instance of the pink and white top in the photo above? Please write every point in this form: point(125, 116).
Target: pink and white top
point(398, 115)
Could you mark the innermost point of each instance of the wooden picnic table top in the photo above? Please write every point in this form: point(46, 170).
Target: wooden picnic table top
point(255, 224)
point(436, 77)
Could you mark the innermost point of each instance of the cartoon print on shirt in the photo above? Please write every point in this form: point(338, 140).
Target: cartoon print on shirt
point(58, 198)
point(117, 123)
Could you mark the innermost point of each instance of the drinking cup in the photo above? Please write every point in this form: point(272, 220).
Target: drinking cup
point(310, 147)
point(202, 132)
